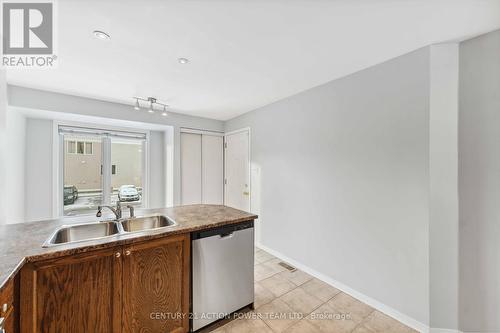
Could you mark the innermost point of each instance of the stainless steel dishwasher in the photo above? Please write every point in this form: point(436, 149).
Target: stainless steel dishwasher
point(222, 272)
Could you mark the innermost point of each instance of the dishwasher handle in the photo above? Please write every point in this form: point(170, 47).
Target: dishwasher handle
point(223, 232)
point(227, 235)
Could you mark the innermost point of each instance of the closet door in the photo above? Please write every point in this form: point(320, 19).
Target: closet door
point(212, 169)
point(191, 169)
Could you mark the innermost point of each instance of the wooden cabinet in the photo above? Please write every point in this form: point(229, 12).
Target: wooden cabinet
point(9, 325)
point(9, 307)
point(79, 293)
point(156, 286)
point(124, 289)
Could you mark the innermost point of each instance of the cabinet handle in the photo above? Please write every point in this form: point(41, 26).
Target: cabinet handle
point(118, 254)
point(128, 252)
point(5, 306)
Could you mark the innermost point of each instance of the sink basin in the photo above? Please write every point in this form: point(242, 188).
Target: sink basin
point(68, 234)
point(146, 223)
point(82, 232)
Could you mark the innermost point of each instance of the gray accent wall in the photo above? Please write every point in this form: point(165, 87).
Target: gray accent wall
point(443, 181)
point(344, 180)
point(479, 183)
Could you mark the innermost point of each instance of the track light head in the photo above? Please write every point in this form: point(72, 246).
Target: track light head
point(152, 102)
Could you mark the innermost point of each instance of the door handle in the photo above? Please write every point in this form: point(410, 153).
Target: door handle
point(227, 236)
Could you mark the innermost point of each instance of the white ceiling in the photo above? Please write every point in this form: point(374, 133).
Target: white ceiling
point(243, 53)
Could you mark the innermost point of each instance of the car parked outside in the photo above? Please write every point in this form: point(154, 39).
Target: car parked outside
point(70, 194)
point(128, 193)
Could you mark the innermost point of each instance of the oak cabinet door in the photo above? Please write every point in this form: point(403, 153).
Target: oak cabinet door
point(78, 293)
point(9, 305)
point(156, 286)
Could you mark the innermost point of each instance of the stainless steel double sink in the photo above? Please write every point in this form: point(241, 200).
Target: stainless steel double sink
point(98, 230)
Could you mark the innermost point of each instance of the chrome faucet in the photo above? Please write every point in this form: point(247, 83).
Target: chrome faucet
point(131, 210)
point(117, 211)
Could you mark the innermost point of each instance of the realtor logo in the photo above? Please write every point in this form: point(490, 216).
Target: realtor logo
point(28, 29)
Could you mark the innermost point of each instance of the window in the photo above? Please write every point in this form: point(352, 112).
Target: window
point(89, 148)
point(126, 179)
point(79, 147)
point(100, 168)
point(71, 147)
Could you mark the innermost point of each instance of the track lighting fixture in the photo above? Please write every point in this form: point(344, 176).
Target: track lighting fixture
point(152, 103)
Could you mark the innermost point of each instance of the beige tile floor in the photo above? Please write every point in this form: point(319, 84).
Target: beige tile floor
point(295, 302)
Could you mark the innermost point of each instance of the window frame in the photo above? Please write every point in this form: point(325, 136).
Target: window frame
point(58, 160)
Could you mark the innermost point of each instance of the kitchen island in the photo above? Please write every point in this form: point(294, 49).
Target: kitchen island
point(111, 284)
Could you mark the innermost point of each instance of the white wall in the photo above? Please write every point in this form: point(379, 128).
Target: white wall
point(15, 143)
point(344, 180)
point(479, 183)
point(3, 116)
point(157, 170)
point(443, 199)
point(38, 185)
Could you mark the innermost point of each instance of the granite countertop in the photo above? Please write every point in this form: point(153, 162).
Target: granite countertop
point(22, 243)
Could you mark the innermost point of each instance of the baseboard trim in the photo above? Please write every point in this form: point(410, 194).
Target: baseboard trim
point(443, 330)
point(407, 320)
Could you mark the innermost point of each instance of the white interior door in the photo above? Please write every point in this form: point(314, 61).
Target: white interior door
point(237, 187)
point(191, 169)
point(212, 152)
